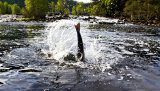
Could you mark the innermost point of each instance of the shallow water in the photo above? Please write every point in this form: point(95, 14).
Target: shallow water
point(119, 57)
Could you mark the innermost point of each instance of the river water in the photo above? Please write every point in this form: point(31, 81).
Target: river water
point(35, 56)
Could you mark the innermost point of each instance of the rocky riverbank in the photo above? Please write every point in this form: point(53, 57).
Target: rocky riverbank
point(91, 19)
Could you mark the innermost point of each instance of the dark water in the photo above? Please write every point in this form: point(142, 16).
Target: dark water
point(23, 67)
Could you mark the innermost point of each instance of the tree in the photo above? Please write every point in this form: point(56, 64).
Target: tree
point(145, 11)
point(6, 8)
point(15, 9)
point(74, 12)
point(52, 6)
point(80, 9)
point(94, 10)
point(2, 10)
point(114, 7)
point(66, 11)
point(36, 8)
point(61, 6)
point(9, 9)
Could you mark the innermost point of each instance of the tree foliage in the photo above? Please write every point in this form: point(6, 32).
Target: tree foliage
point(36, 8)
point(146, 10)
point(61, 6)
point(15, 9)
point(6, 8)
point(74, 12)
point(52, 6)
point(79, 9)
point(2, 11)
point(97, 10)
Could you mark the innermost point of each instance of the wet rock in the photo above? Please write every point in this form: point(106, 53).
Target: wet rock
point(89, 18)
point(4, 69)
point(49, 55)
point(12, 66)
point(1, 83)
point(63, 64)
point(30, 70)
point(106, 22)
point(1, 61)
point(70, 57)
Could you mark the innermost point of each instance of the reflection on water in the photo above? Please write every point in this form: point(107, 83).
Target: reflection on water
point(119, 57)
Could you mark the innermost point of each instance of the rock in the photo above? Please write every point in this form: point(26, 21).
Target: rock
point(12, 66)
point(63, 64)
point(30, 70)
point(49, 55)
point(4, 69)
point(70, 57)
point(1, 83)
point(106, 22)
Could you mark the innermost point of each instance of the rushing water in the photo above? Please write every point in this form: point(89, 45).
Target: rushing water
point(118, 57)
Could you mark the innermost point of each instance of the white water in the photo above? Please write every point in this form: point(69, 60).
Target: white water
point(62, 40)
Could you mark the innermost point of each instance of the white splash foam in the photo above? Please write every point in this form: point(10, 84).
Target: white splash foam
point(62, 40)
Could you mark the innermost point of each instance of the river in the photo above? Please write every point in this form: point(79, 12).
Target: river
point(35, 56)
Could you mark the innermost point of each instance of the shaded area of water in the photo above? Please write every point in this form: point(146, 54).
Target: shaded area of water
point(116, 60)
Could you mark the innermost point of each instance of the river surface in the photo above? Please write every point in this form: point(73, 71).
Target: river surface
point(41, 56)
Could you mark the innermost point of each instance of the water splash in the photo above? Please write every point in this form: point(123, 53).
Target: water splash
point(62, 40)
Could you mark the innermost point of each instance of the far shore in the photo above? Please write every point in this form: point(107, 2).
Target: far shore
point(17, 18)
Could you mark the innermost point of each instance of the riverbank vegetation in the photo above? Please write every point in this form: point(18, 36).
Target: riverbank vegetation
point(146, 11)
point(6, 8)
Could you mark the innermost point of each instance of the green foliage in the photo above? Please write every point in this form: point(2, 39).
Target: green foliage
point(146, 10)
point(114, 7)
point(95, 10)
point(52, 6)
point(74, 12)
point(9, 11)
point(60, 7)
point(66, 11)
point(18, 2)
point(36, 8)
point(24, 12)
point(2, 10)
point(80, 9)
point(6, 8)
point(15, 9)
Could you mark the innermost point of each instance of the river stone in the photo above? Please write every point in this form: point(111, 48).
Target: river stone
point(30, 70)
point(1, 83)
point(70, 57)
point(4, 69)
point(13, 66)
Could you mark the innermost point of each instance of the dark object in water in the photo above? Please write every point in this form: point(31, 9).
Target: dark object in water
point(80, 54)
point(1, 83)
point(70, 57)
point(29, 70)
